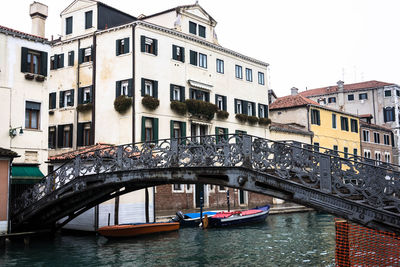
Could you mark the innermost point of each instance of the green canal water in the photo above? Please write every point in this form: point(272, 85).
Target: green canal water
point(298, 239)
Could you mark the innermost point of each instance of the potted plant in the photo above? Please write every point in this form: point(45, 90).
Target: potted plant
point(222, 114)
point(179, 107)
point(39, 78)
point(264, 121)
point(29, 76)
point(150, 102)
point(122, 103)
point(252, 119)
point(241, 117)
point(84, 107)
point(201, 108)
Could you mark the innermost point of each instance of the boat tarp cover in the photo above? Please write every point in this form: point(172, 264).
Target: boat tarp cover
point(197, 214)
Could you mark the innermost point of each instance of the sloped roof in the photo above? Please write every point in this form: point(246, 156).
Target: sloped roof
point(7, 153)
point(179, 8)
point(375, 126)
point(84, 150)
point(290, 128)
point(291, 101)
point(23, 35)
point(346, 87)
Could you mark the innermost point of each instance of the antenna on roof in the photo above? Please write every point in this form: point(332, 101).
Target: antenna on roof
point(197, 2)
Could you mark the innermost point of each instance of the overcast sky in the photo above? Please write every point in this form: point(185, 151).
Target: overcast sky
point(308, 43)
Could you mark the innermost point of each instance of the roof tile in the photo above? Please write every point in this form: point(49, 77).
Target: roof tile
point(291, 101)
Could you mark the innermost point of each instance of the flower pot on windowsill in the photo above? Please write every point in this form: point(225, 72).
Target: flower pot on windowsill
point(264, 121)
point(122, 103)
point(252, 119)
point(150, 102)
point(84, 107)
point(51, 112)
point(222, 114)
point(178, 107)
point(201, 108)
point(29, 76)
point(39, 78)
point(242, 117)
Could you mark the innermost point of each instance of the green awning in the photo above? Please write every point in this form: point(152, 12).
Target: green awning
point(25, 174)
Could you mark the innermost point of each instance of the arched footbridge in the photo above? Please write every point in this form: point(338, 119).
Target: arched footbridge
point(346, 187)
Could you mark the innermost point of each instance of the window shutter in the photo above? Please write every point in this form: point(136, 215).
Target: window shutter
point(183, 129)
point(55, 62)
point(266, 111)
point(318, 118)
point(393, 114)
point(155, 129)
point(52, 100)
point(224, 102)
point(155, 89)
point(193, 57)
point(143, 83)
point(126, 45)
point(384, 115)
point(80, 96)
point(244, 107)
point(254, 109)
point(142, 43)
point(191, 93)
point(171, 91)
point(43, 63)
point(174, 55)
point(60, 136)
point(155, 43)
point(259, 110)
point(117, 89)
point(171, 127)
point(72, 97)
point(91, 94)
point(226, 133)
point(61, 99)
point(24, 59)
point(143, 128)
point(71, 57)
point(183, 54)
point(235, 102)
point(71, 130)
point(117, 42)
point(80, 55)
point(216, 134)
point(61, 63)
point(80, 134)
point(91, 136)
point(130, 87)
point(182, 93)
point(207, 97)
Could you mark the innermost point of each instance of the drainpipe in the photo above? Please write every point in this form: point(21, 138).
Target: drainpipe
point(133, 83)
point(93, 124)
point(308, 123)
point(373, 105)
point(77, 88)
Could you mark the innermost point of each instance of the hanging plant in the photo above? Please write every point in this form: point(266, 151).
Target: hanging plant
point(122, 103)
point(222, 114)
point(242, 117)
point(150, 102)
point(29, 76)
point(264, 121)
point(84, 107)
point(201, 108)
point(39, 78)
point(252, 119)
point(179, 107)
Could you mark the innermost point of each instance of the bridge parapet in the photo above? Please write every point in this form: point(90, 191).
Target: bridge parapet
point(352, 178)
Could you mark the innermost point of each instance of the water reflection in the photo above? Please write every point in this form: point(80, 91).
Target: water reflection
point(302, 239)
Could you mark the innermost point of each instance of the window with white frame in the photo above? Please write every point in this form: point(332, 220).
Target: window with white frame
point(177, 188)
point(68, 98)
point(176, 130)
point(377, 155)
point(149, 45)
point(367, 154)
point(124, 88)
point(220, 66)
point(250, 109)
point(202, 60)
point(261, 79)
point(148, 130)
point(86, 95)
point(365, 136)
point(386, 139)
point(176, 93)
point(148, 88)
point(262, 111)
point(387, 157)
point(220, 102)
point(238, 72)
point(221, 188)
point(239, 107)
point(249, 75)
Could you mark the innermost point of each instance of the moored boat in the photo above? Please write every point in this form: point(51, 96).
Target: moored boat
point(191, 219)
point(223, 219)
point(135, 229)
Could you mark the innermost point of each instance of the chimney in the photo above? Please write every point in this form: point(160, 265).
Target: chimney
point(340, 85)
point(38, 12)
point(294, 91)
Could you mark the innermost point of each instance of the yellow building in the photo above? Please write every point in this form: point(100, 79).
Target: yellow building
point(333, 129)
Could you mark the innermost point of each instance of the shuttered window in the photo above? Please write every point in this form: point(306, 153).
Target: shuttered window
point(64, 135)
point(149, 87)
point(88, 19)
point(68, 25)
point(149, 129)
point(177, 93)
point(192, 27)
point(32, 115)
point(202, 31)
point(262, 111)
point(66, 98)
point(33, 61)
point(177, 129)
point(344, 123)
point(122, 46)
point(84, 134)
point(221, 133)
point(315, 117)
point(220, 101)
point(148, 45)
point(178, 53)
point(85, 95)
point(52, 100)
point(193, 58)
point(85, 55)
point(354, 125)
point(388, 114)
point(199, 95)
point(124, 87)
point(52, 137)
point(71, 58)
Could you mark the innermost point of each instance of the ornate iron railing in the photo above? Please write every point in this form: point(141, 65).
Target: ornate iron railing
point(375, 186)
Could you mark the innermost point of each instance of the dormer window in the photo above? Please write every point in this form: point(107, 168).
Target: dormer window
point(193, 29)
point(202, 31)
point(68, 25)
point(88, 19)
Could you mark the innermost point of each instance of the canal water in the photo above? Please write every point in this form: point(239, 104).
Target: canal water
point(297, 239)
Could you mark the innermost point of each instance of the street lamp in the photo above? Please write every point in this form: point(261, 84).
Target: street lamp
point(13, 131)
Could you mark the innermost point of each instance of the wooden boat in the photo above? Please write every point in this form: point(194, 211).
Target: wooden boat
point(135, 229)
point(191, 219)
point(223, 219)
